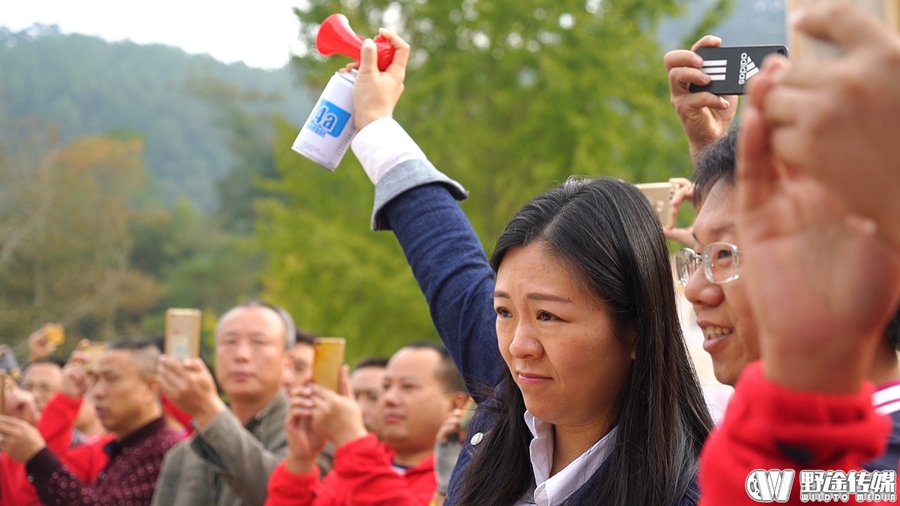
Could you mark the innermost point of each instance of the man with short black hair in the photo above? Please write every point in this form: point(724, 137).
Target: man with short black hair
point(711, 271)
point(302, 354)
point(126, 396)
point(421, 387)
point(365, 382)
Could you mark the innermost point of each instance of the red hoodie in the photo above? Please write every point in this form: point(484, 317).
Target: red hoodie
point(363, 475)
point(769, 427)
point(55, 426)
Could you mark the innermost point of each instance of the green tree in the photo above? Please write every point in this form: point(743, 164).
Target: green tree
point(250, 134)
point(511, 97)
point(326, 267)
point(64, 237)
point(86, 85)
point(199, 264)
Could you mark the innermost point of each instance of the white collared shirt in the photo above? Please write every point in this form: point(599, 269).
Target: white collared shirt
point(383, 144)
point(553, 490)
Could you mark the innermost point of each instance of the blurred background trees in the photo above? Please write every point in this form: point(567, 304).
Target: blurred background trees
point(508, 97)
point(137, 178)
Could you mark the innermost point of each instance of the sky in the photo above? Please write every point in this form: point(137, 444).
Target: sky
point(261, 33)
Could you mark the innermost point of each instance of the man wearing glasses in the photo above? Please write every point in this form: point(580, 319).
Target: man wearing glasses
point(703, 117)
point(711, 275)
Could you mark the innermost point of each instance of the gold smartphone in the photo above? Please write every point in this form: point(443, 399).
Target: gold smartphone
point(803, 46)
point(328, 361)
point(93, 352)
point(183, 333)
point(3, 383)
point(660, 194)
point(56, 334)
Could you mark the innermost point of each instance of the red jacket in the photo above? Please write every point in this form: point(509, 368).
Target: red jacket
point(183, 418)
point(362, 476)
point(768, 427)
point(55, 426)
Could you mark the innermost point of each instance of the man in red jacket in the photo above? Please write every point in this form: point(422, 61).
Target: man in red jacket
point(106, 472)
point(821, 279)
point(421, 387)
point(55, 418)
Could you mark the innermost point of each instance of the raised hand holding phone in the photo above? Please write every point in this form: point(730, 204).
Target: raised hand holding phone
point(304, 444)
point(76, 376)
point(731, 68)
point(335, 415)
point(40, 346)
point(705, 117)
point(190, 386)
point(660, 194)
point(684, 191)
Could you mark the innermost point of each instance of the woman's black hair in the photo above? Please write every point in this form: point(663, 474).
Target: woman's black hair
point(608, 233)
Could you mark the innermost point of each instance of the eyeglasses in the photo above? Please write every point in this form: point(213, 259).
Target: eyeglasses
point(721, 263)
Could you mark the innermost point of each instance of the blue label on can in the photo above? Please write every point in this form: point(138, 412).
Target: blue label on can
point(328, 119)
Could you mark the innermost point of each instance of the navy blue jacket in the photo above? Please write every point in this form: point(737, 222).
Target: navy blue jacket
point(418, 203)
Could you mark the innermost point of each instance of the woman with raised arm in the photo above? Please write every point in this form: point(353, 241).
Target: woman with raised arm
point(568, 338)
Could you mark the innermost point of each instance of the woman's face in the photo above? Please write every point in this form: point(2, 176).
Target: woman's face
point(558, 342)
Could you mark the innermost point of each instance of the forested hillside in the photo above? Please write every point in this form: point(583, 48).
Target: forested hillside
point(128, 176)
point(84, 85)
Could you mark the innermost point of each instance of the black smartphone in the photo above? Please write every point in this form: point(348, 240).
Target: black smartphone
point(731, 67)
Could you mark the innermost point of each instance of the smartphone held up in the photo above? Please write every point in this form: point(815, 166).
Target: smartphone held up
point(93, 352)
point(56, 334)
point(183, 333)
point(660, 194)
point(730, 68)
point(329, 357)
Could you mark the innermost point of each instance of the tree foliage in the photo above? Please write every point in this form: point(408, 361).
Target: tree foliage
point(326, 267)
point(81, 246)
point(64, 237)
point(509, 98)
point(191, 136)
point(87, 86)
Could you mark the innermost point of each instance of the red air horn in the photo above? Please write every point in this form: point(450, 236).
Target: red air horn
point(336, 37)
